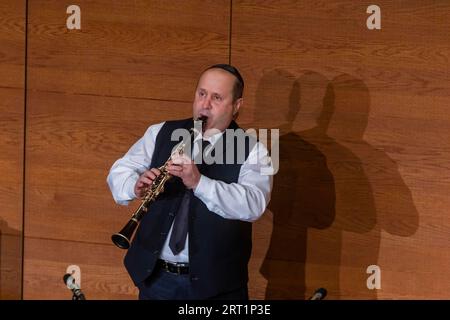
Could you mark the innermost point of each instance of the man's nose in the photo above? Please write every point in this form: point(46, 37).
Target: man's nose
point(206, 103)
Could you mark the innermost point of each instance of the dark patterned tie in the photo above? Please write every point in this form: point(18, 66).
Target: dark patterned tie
point(181, 222)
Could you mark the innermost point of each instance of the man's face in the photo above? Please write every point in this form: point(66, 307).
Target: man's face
point(214, 99)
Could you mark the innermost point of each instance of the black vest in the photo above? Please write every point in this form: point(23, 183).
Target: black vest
point(219, 248)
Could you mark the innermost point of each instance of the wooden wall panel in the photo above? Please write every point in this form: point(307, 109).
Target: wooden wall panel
point(364, 161)
point(92, 93)
point(363, 119)
point(101, 276)
point(12, 61)
point(143, 49)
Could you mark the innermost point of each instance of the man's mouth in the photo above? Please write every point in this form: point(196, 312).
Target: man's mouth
point(203, 114)
point(204, 119)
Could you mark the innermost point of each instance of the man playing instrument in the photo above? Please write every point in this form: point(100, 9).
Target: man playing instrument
point(195, 241)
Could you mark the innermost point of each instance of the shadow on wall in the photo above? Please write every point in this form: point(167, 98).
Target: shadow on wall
point(331, 186)
point(10, 262)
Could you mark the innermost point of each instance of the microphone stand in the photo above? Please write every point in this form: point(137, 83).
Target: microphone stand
point(78, 295)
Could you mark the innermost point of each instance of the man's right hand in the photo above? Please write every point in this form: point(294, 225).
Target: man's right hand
point(145, 181)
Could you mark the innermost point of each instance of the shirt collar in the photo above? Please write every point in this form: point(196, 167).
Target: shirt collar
point(212, 139)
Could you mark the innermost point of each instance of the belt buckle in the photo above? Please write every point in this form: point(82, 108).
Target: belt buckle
point(175, 268)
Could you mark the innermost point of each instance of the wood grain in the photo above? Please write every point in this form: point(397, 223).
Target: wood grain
point(332, 39)
point(363, 117)
point(374, 105)
point(103, 276)
point(12, 44)
point(12, 71)
point(143, 49)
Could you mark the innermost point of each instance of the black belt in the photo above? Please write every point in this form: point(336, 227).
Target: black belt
point(177, 268)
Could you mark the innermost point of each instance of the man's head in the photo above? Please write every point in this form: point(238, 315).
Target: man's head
point(218, 95)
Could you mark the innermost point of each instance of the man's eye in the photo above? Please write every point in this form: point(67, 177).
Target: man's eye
point(218, 98)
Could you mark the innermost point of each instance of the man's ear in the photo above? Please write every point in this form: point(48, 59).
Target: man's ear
point(237, 104)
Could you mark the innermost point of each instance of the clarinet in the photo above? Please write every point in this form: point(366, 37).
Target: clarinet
point(122, 238)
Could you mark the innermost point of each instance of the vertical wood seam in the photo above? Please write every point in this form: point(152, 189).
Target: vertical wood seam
point(24, 149)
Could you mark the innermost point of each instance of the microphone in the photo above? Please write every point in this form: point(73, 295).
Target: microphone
point(70, 283)
point(319, 294)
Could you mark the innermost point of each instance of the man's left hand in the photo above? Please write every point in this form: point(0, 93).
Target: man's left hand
point(184, 168)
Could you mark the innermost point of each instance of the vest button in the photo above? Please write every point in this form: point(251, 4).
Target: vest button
point(171, 214)
point(156, 252)
point(149, 270)
point(194, 278)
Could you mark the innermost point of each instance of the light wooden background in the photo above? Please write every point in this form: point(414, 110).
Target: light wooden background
point(364, 150)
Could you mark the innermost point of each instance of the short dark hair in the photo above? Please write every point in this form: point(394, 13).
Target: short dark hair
point(238, 88)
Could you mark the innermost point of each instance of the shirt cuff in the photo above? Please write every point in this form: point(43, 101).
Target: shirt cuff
point(204, 184)
point(128, 190)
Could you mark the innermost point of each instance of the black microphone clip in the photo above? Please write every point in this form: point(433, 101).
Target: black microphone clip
point(70, 283)
point(319, 294)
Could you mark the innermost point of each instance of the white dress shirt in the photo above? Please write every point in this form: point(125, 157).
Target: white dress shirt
point(245, 200)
